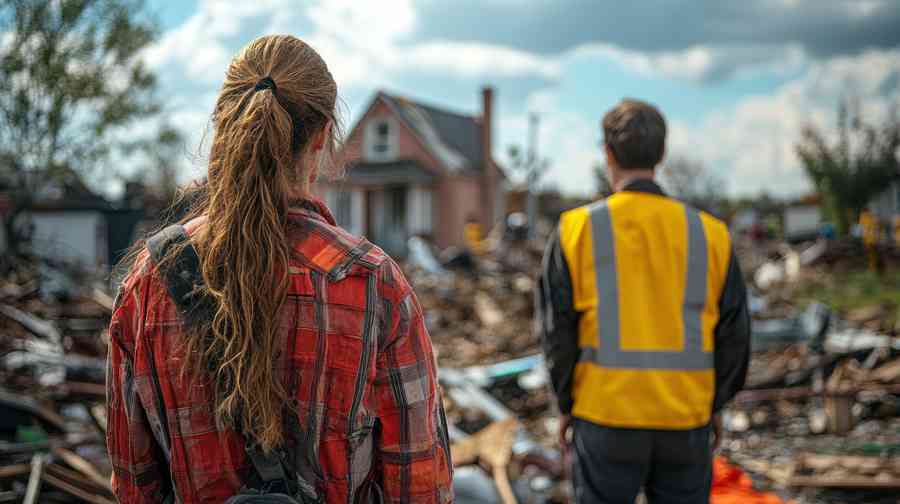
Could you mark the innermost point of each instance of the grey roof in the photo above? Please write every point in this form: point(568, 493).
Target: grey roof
point(393, 172)
point(454, 138)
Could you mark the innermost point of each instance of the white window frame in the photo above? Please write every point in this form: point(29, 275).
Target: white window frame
point(372, 142)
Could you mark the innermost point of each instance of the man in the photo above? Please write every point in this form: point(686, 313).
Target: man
point(645, 327)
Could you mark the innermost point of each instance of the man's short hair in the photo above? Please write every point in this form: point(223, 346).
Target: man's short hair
point(635, 132)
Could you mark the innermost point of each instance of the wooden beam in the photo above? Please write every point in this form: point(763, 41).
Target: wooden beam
point(33, 490)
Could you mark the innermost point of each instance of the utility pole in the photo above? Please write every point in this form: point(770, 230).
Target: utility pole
point(533, 173)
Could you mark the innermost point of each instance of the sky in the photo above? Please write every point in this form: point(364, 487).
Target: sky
point(736, 80)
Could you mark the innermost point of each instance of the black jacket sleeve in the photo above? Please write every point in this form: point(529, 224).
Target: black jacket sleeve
point(732, 345)
point(557, 322)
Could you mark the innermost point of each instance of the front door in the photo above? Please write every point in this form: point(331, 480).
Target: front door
point(386, 218)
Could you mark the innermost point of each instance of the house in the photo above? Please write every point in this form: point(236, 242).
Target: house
point(71, 224)
point(415, 169)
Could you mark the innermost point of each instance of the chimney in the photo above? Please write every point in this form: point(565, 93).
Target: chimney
point(489, 174)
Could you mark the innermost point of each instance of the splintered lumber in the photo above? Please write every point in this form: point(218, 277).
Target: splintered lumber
point(764, 395)
point(77, 479)
point(84, 388)
point(81, 465)
point(846, 471)
point(887, 373)
point(33, 490)
point(103, 299)
point(75, 491)
point(33, 324)
point(492, 446)
point(12, 471)
point(98, 416)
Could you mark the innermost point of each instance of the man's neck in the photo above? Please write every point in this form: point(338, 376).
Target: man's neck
point(632, 176)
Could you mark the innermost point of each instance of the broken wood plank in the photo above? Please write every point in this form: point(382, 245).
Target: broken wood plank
point(33, 324)
point(845, 471)
point(103, 299)
point(75, 491)
point(33, 490)
point(492, 446)
point(12, 471)
point(77, 479)
point(81, 465)
point(765, 395)
point(844, 482)
point(98, 416)
point(84, 388)
point(887, 373)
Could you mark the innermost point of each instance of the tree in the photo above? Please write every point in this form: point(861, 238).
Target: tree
point(158, 170)
point(689, 181)
point(73, 79)
point(856, 167)
point(531, 168)
point(601, 178)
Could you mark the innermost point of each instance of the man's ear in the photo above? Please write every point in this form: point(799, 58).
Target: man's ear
point(610, 156)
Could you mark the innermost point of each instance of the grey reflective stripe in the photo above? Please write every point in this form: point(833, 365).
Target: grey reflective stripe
point(609, 352)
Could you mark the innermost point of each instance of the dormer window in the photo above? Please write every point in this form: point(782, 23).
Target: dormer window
point(381, 140)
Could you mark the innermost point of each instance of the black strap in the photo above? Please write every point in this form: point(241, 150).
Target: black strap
point(182, 276)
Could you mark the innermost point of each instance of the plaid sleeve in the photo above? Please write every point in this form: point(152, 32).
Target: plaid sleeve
point(413, 454)
point(137, 475)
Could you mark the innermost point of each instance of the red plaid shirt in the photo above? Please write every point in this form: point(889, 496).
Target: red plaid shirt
point(358, 365)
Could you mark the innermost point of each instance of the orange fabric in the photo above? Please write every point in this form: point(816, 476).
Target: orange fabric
point(731, 485)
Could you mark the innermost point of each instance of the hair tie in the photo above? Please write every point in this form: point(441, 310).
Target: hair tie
point(265, 83)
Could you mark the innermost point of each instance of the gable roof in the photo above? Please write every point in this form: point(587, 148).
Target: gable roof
point(455, 139)
point(390, 172)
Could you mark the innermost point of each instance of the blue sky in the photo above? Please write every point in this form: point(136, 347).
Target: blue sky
point(737, 81)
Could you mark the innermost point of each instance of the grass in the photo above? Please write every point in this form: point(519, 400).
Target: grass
point(852, 289)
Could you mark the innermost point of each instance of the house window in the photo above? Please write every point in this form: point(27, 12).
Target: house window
point(381, 140)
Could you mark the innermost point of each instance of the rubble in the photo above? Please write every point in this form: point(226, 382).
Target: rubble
point(821, 384)
point(52, 392)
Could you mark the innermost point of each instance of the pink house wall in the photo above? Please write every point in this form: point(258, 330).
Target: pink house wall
point(454, 197)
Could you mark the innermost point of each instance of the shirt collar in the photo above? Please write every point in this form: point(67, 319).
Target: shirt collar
point(644, 186)
point(313, 208)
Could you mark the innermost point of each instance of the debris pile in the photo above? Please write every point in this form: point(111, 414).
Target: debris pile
point(52, 393)
point(482, 312)
point(823, 391)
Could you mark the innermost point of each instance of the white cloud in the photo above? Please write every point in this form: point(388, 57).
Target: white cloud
point(752, 144)
point(700, 63)
point(200, 47)
point(566, 138)
point(474, 59)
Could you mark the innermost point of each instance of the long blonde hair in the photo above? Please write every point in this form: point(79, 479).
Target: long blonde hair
point(278, 95)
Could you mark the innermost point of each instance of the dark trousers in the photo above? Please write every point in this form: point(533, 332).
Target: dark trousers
point(611, 465)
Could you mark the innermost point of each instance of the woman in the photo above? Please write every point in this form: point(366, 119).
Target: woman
point(292, 337)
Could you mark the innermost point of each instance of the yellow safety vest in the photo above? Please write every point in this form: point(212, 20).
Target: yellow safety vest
point(647, 274)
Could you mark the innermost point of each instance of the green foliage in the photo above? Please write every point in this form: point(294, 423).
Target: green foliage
point(855, 168)
point(846, 290)
point(689, 181)
point(74, 80)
